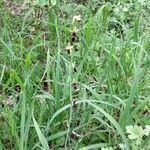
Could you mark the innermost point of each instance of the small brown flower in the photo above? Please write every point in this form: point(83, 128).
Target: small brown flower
point(75, 89)
point(18, 88)
point(45, 36)
point(74, 85)
point(75, 135)
point(45, 85)
point(74, 35)
point(74, 105)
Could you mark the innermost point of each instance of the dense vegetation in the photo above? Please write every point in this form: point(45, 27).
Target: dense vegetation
point(75, 74)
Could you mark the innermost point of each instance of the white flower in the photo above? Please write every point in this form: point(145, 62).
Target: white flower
point(69, 48)
point(10, 101)
point(147, 130)
point(125, 9)
point(75, 30)
point(122, 146)
point(74, 67)
point(76, 18)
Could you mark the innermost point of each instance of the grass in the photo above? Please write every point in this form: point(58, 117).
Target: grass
point(81, 95)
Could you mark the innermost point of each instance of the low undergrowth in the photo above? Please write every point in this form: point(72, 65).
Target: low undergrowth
point(74, 75)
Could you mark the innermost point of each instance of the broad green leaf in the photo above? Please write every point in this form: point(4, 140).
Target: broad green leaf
point(134, 132)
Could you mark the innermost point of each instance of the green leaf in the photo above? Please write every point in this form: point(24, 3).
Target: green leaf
point(41, 3)
point(113, 121)
point(107, 148)
point(53, 2)
point(40, 135)
point(94, 146)
point(134, 131)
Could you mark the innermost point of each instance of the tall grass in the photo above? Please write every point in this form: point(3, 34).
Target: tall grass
point(81, 99)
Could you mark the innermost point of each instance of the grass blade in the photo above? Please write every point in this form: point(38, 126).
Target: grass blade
point(40, 134)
